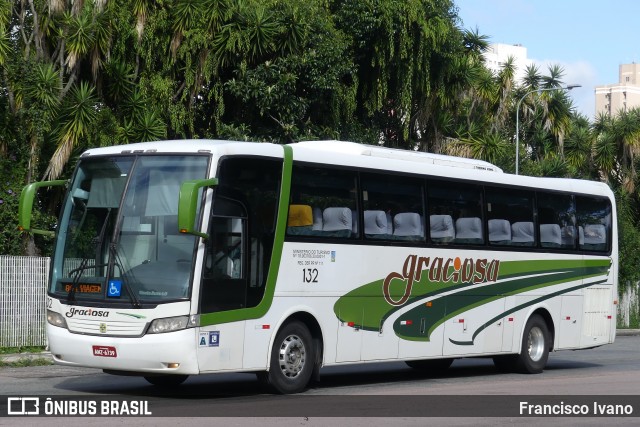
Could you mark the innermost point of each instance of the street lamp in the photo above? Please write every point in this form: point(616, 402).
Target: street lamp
point(567, 87)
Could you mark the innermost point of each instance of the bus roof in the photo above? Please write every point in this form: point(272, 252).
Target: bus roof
point(204, 146)
point(353, 154)
point(353, 148)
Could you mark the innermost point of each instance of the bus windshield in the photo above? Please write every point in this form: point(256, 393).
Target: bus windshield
point(118, 234)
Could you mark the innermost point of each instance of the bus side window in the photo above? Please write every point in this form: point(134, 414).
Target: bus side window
point(393, 207)
point(509, 216)
point(556, 212)
point(224, 284)
point(594, 223)
point(242, 230)
point(323, 203)
point(455, 213)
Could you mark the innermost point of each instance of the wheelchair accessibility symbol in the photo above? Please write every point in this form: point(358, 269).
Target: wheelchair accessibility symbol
point(114, 289)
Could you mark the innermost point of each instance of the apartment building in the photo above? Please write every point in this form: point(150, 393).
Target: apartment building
point(498, 53)
point(622, 96)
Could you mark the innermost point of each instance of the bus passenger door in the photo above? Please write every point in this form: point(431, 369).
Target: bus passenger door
point(224, 287)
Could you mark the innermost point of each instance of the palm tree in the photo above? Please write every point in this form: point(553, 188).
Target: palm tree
point(489, 147)
point(78, 116)
point(505, 79)
point(475, 43)
point(546, 113)
point(557, 115)
point(579, 147)
point(532, 77)
point(42, 95)
point(617, 146)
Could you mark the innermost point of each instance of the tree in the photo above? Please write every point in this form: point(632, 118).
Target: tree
point(406, 57)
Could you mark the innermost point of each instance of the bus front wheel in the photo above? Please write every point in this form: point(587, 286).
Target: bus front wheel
point(535, 346)
point(292, 359)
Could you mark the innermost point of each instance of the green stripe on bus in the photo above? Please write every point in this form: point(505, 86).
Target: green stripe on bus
point(519, 268)
point(450, 306)
point(367, 307)
point(276, 255)
point(521, 306)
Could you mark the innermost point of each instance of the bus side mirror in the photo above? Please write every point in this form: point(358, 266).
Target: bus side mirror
point(26, 205)
point(188, 205)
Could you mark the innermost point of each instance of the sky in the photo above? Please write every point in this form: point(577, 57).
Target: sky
point(588, 38)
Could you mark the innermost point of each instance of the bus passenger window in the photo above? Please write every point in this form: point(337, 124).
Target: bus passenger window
point(594, 223)
point(455, 213)
point(509, 216)
point(556, 212)
point(323, 203)
point(393, 207)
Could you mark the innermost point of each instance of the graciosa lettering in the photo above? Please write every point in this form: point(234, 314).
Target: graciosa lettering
point(443, 270)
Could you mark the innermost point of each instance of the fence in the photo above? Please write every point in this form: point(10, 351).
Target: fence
point(23, 291)
point(629, 307)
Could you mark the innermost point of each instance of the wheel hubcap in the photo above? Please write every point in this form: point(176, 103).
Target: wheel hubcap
point(292, 356)
point(535, 344)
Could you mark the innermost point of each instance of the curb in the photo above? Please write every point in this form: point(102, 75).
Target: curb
point(627, 332)
point(17, 357)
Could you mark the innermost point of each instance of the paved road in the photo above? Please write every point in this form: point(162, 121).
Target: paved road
point(609, 374)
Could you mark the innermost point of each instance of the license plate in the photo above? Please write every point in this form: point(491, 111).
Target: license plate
point(104, 351)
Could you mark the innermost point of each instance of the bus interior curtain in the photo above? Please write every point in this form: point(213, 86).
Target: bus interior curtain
point(164, 190)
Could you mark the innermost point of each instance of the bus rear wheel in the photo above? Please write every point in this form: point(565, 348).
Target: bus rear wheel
point(166, 380)
point(292, 359)
point(535, 346)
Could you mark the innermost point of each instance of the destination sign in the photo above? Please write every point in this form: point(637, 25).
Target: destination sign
point(85, 288)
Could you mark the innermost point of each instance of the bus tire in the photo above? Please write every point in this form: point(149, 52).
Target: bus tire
point(292, 359)
point(432, 365)
point(535, 346)
point(166, 380)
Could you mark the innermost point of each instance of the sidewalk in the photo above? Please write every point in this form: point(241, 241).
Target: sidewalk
point(16, 357)
point(627, 332)
point(11, 358)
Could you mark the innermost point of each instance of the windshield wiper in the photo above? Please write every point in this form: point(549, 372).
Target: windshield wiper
point(71, 296)
point(125, 281)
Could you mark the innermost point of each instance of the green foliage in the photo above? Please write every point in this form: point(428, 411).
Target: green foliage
point(24, 349)
point(629, 242)
point(27, 361)
point(11, 242)
point(398, 73)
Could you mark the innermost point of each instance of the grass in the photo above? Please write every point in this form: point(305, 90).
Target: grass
point(27, 361)
point(27, 356)
point(24, 349)
point(634, 319)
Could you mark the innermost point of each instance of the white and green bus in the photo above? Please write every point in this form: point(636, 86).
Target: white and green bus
point(188, 257)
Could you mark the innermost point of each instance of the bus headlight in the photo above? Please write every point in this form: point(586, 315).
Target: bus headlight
point(171, 324)
point(56, 319)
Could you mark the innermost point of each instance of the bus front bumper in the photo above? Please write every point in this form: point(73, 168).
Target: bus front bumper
point(167, 353)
